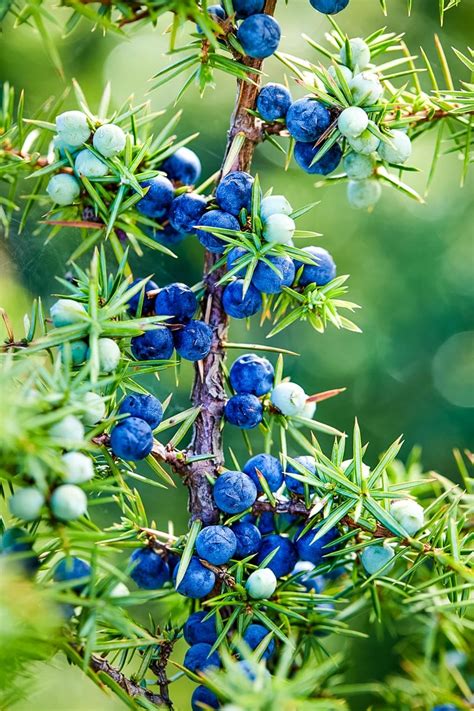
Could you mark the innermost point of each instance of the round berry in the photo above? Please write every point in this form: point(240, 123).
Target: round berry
point(321, 272)
point(398, 150)
point(232, 256)
point(359, 54)
point(314, 551)
point(199, 658)
point(366, 88)
point(184, 165)
point(65, 312)
point(72, 128)
point(131, 439)
point(26, 503)
point(252, 374)
point(261, 584)
point(18, 541)
point(307, 120)
point(376, 557)
point(329, 7)
point(156, 344)
point(197, 582)
point(366, 143)
point(244, 411)
point(73, 569)
point(234, 492)
point(409, 514)
point(87, 164)
point(216, 544)
point(144, 406)
point(202, 696)
point(279, 229)
point(352, 121)
point(68, 502)
point(63, 189)
point(157, 200)
point(358, 166)
point(254, 634)
point(274, 205)
point(109, 140)
point(69, 429)
point(237, 305)
point(197, 629)
point(245, 8)
point(149, 570)
point(221, 220)
point(305, 153)
point(109, 355)
point(295, 485)
point(269, 467)
point(168, 236)
point(148, 303)
point(284, 559)
point(193, 342)
point(268, 281)
point(77, 351)
point(234, 192)
point(248, 539)
point(259, 36)
point(273, 101)
point(78, 468)
point(94, 408)
point(186, 210)
point(363, 194)
point(345, 71)
point(308, 580)
point(289, 398)
point(176, 300)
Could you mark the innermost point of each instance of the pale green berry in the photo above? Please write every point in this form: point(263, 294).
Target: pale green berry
point(398, 151)
point(119, 590)
point(358, 166)
point(68, 502)
point(366, 88)
point(94, 408)
point(26, 503)
point(73, 128)
point(65, 312)
point(345, 71)
point(109, 355)
point(375, 557)
point(63, 189)
point(363, 194)
point(261, 583)
point(360, 54)
point(409, 514)
point(60, 145)
point(352, 121)
point(366, 143)
point(279, 229)
point(69, 429)
point(89, 165)
point(274, 205)
point(78, 468)
point(109, 140)
point(289, 398)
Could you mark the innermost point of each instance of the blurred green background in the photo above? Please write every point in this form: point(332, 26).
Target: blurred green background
point(410, 371)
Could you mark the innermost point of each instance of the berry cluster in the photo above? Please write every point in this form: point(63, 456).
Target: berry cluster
point(132, 438)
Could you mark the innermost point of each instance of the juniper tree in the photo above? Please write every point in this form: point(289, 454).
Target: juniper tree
point(283, 550)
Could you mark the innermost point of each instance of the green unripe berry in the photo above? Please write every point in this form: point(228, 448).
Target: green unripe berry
point(352, 121)
point(78, 352)
point(94, 410)
point(26, 503)
point(66, 312)
point(289, 398)
point(274, 205)
point(109, 355)
point(78, 468)
point(358, 166)
point(360, 54)
point(63, 189)
point(366, 88)
point(409, 514)
point(68, 502)
point(398, 151)
point(366, 143)
point(279, 229)
point(69, 429)
point(89, 165)
point(363, 194)
point(345, 71)
point(109, 140)
point(261, 584)
point(72, 128)
point(375, 557)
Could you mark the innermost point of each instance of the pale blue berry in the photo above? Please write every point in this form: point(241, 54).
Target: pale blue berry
point(109, 355)
point(68, 502)
point(358, 165)
point(352, 121)
point(359, 54)
point(78, 468)
point(89, 165)
point(261, 584)
point(289, 398)
point(409, 514)
point(398, 150)
point(279, 229)
point(109, 140)
point(345, 71)
point(363, 194)
point(68, 429)
point(274, 205)
point(94, 408)
point(72, 128)
point(26, 503)
point(366, 143)
point(65, 312)
point(375, 557)
point(366, 88)
point(63, 189)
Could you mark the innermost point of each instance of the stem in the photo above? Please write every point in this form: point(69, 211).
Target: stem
point(208, 389)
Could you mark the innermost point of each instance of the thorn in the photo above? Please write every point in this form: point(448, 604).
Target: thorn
point(319, 397)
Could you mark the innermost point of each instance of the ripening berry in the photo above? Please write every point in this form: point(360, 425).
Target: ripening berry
point(265, 279)
point(269, 467)
point(65, 312)
point(109, 355)
point(359, 54)
point(220, 219)
point(398, 150)
point(261, 584)
point(68, 502)
point(305, 153)
point(193, 341)
point(409, 514)
point(289, 398)
point(203, 697)
point(199, 658)
point(363, 194)
point(259, 36)
point(321, 272)
point(295, 485)
point(308, 580)
point(184, 165)
point(197, 582)
point(94, 408)
point(237, 305)
point(78, 468)
point(186, 210)
point(158, 198)
point(109, 140)
point(176, 300)
point(26, 503)
point(352, 121)
point(274, 205)
point(366, 88)
point(68, 429)
point(279, 229)
point(376, 557)
point(149, 570)
point(131, 439)
point(244, 411)
point(145, 406)
point(234, 192)
point(77, 351)
point(216, 544)
point(73, 569)
point(366, 143)
point(252, 374)
point(72, 128)
point(248, 537)
point(358, 166)
point(273, 101)
point(329, 7)
point(63, 189)
point(245, 8)
point(156, 344)
point(87, 164)
point(254, 634)
point(284, 559)
point(307, 119)
point(234, 492)
point(148, 303)
point(314, 551)
point(197, 629)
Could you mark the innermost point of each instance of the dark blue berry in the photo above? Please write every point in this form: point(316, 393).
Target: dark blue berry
point(221, 220)
point(232, 256)
point(197, 629)
point(157, 201)
point(244, 411)
point(267, 280)
point(259, 36)
point(284, 560)
point(176, 300)
point(72, 568)
point(149, 571)
point(198, 658)
point(314, 551)
point(252, 374)
point(216, 544)
point(184, 166)
point(305, 152)
point(156, 344)
point(295, 485)
point(248, 539)
point(267, 465)
point(234, 192)
point(148, 303)
point(266, 523)
point(146, 407)
point(307, 119)
point(18, 542)
point(244, 8)
point(197, 582)
point(202, 697)
point(254, 634)
point(186, 211)
point(321, 272)
point(193, 341)
point(234, 492)
point(236, 304)
point(168, 236)
point(329, 7)
point(273, 101)
point(131, 439)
